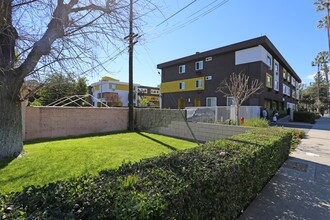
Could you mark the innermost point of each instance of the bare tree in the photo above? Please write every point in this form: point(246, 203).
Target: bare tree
point(240, 87)
point(40, 37)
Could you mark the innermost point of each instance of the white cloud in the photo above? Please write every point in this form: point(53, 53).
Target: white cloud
point(311, 77)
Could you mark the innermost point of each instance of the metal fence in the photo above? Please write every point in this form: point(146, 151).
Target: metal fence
point(220, 114)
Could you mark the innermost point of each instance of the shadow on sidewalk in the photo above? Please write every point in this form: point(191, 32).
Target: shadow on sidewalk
point(299, 190)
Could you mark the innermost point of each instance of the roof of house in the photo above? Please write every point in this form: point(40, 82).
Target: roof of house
point(263, 40)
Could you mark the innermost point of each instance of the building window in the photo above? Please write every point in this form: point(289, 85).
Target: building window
point(286, 90)
point(112, 86)
point(284, 74)
point(211, 101)
point(288, 77)
point(181, 86)
point(269, 61)
point(293, 81)
point(276, 67)
point(154, 91)
point(199, 65)
point(268, 80)
point(230, 101)
point(207, 59)
point(199, 83)
point(276, 85)
point(208, 77)
point(276, 75)
point(182, 69)
point(143, 90)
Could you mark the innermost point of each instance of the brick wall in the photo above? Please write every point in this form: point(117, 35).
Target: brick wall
point(52, 122)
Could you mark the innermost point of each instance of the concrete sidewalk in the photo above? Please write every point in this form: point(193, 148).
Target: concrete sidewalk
point(301, 187)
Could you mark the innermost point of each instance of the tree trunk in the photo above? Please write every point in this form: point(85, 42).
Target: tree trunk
point(11, 140)
point(327, 87)
point(237, 115)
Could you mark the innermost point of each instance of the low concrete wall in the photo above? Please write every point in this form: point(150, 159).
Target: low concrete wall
point(202, 131)
point(52, 122)
point(146, 118)
point(170, 122)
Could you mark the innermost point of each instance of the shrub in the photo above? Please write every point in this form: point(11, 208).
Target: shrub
point(215, 180)
point(297, 135)
point(307, 117)
point(317, 115)
point(256, 122)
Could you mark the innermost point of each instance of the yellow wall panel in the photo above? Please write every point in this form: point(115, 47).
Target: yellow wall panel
point(122, 87)
point(174, 86)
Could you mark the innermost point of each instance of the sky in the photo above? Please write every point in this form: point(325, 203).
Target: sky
point(290, 25)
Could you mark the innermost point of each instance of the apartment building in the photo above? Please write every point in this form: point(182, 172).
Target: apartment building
point(112, 92)
point(193, 80)
point(152, 94)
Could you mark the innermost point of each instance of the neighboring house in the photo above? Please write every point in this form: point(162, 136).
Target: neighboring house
point(152, 94)
point(193, 80)
point(112, 92)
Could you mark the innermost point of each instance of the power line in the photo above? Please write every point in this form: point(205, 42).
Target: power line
point(176, 13)
point(194, 17)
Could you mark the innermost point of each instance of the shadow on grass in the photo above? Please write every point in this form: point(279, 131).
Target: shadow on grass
point(41, 140)
point(157, 141)
point(5, 161)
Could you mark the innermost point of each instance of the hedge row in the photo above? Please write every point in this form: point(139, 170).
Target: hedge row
point(216, 180)
point(308, 117)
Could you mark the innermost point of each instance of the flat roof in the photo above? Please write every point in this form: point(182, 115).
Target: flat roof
point(263, 40)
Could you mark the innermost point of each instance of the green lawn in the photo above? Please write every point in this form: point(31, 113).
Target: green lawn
point(61, 159)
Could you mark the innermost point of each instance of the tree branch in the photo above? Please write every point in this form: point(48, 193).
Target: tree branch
point(24, 3)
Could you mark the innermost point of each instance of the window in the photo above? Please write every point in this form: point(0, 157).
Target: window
point(112, 86)
point(276, 75)
point(286, 90)
point(208, 77)
point(199, 65)
point(211, 101)
point(268, 80)
point(269, 61)
point(208, 59)
point(154, 91)
point(276, 67)
point(284, 74)
point(293, 81)
point(143, 90)
point(181, 86)
point(276, 85)
point(182, 69)
point(288, 77)
point(230, 101)
point(199, 83)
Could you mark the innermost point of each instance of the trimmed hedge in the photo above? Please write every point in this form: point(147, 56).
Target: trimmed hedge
point(307, 117)
point(256, 122)
point(216, 180)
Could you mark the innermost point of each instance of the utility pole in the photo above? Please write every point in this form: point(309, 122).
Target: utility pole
point(131, 37)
